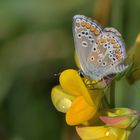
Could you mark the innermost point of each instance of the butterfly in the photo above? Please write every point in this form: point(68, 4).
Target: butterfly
point(101, 51)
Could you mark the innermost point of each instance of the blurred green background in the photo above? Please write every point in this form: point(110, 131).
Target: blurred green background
point(35, 43)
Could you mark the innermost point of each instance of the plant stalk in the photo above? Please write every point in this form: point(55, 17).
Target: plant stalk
point(112, 95)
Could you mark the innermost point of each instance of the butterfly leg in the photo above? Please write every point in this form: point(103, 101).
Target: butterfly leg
point(108, 79)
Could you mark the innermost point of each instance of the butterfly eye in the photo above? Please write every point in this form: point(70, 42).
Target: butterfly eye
point(81, 73)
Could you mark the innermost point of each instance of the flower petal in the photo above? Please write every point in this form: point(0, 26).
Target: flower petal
point(120, 122)
point(102, 133)
point(119, 134)
point(121, 117)
point(91, 133)
point(115, 112)
point(79, 112)
point(61, 100)
point(73, 84)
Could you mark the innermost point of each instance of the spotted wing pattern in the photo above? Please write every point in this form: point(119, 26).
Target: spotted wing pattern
point(101, 52)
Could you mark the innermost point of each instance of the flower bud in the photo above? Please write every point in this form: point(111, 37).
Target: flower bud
point(61, 100)
point(121, 118)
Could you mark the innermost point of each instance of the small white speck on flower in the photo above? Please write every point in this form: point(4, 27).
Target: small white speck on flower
point(107, 133)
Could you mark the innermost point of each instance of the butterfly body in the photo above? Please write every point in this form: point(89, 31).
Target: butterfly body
point(101, 51)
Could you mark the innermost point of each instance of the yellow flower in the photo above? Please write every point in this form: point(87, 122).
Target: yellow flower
point(61, 100)
point(80, 98)
point(73, 98)
point(118, 125)
point(102, 133)
point(82, 109)
point(121, 118)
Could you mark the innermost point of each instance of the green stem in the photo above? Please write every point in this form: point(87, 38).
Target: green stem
point(112, 94)
point(106, 102)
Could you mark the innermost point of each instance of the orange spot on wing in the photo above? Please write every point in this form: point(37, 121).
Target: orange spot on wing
point(83, 24)
point(88, 25)
point(108, 39)
point(92, 29)
point(116, 46)
point(119, 58)
point(113, 41)
point(96, 32)
point(97, 41)
point(118, 52)
point(102, 40)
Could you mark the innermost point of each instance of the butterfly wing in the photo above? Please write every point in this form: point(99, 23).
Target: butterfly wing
point(113, 30)
point(101, 52)
point(85, 33)
point(111, 54)
point(118, 50)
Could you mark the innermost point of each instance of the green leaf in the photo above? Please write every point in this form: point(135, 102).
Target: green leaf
point(124, 73)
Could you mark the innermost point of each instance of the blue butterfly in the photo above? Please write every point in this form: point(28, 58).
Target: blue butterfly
point(101, 51)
